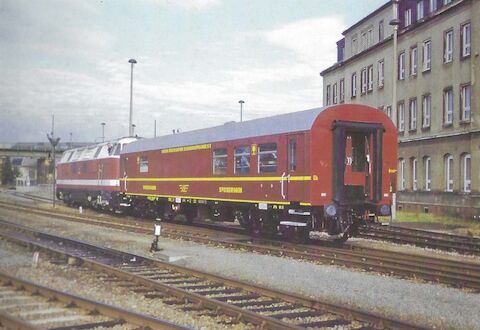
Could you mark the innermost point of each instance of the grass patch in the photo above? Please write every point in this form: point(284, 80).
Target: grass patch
point(468, 227)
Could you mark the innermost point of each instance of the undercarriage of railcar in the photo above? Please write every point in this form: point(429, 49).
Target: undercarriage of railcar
point(293, 222)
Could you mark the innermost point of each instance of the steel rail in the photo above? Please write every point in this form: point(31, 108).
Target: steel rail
point(239, 313)
point(422, 238)
point(454, 273)
point(70, 300)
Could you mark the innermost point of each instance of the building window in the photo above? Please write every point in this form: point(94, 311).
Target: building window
point(446, 2)
point(413, 61)
point(370, 78)
point(420, 8)
point(408, 17)
point(388, 111)
point(381, 31)
point(354, 84)
point(427, 162)
point(267, 158)
point(354, 46)
point(426, 110)
point(414, 174)
point(401, 117)
point(381, 73)
point(328, 95)
point(335, 93)
point(363, 81)
point(292, 155)
point(465, 102)
point(143, 164)
point(412, 112)
point(448, 173)
point(448, 106)
point(242, 160)
point(220, 161)
point(363, 37)
point(427, 55)
point(401, 66)
point(433, 5)
point(342, 90)
point(467, 173)
point(401, 167)
point(448, 47)
point(466, 40)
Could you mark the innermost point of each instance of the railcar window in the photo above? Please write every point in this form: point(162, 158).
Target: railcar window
point(97, 152)
point(267, 158)
point(242, 159)
point(292, 155)
point(360, 150)
point(220, 161)
point(143, 164)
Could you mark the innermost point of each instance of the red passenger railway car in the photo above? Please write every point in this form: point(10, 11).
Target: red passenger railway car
point(319, 170)
point(90, 176)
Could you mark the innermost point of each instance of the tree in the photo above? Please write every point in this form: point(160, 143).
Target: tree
point(8, 172)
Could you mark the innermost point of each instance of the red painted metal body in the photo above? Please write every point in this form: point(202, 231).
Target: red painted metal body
point(188, 172)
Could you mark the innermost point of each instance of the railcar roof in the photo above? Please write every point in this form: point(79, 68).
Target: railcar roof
point(279, 124)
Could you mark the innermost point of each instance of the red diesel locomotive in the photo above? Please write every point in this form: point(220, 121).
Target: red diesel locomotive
point(319, 170)
point(90, 176)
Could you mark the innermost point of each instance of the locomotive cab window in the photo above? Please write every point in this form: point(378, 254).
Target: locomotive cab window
point(242, 160)
point(97, 152)
point(267, 158)
point(220, 161)
point(143, 164)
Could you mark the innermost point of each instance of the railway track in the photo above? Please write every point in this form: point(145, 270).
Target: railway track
point(194, 290)
point(456, 273)
point(26, 305)
point(422, 238)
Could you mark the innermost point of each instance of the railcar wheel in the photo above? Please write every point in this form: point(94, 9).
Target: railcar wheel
point(244, 218)
point(342, 239)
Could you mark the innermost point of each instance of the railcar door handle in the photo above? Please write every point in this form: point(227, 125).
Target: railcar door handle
point(282, 186)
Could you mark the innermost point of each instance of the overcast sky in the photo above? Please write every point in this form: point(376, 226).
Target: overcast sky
point(196, 59)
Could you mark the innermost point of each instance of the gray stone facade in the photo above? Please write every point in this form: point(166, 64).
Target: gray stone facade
point(437, 106)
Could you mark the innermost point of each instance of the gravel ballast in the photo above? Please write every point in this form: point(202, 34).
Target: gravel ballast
point(422, 303)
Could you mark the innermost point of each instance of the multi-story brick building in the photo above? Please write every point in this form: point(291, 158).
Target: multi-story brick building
point(436, 108)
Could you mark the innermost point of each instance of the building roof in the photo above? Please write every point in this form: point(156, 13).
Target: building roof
point(284, 123)
point(402, 32)
point(373, 13)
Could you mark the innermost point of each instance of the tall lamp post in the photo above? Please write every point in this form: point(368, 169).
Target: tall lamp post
point(394, 22)
point(53, 141)
point(103, 131)
point(241, 109)
point(130, 127)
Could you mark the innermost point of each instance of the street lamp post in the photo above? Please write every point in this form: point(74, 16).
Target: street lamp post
point(133, 129)
point(394, 22)
point(130, 127)
point(103, 131)
point(241, 109)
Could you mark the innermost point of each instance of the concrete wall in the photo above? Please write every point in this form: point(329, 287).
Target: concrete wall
point(439, 139)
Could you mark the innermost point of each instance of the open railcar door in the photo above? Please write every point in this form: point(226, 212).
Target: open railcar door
point(357, 168)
